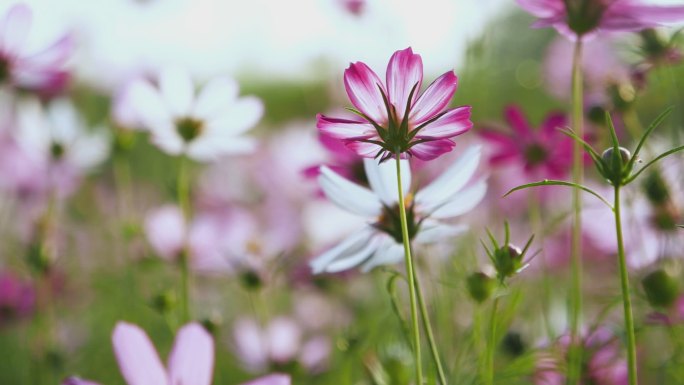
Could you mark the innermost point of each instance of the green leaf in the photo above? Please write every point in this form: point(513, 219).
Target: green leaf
point(547, 182)
point(648, 131)
point(647, 165)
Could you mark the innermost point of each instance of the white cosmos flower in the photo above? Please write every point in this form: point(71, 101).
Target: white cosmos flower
point(204, 125)
point(379, 242)
point(59, 134)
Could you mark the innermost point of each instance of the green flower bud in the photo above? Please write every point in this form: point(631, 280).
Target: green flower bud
point(507, 260)
point(614, 167)
point(213, 323)
point(480, 286)
point(513, 344)
point(164, 302)
point(662, 290)
point(251, 280)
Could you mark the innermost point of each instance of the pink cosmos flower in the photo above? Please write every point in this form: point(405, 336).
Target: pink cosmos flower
point(191, 361)
point(42, 71)
point(579, 18)
point(17, 298)
point(546, 152)
point(203, 125)
point(393, 117)
point(355, 7)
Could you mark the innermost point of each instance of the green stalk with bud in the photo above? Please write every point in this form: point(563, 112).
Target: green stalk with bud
point(616, 165)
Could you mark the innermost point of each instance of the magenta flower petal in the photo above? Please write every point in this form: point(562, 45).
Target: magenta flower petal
point(78, 381)
point(514, 116)
point(631, 16)
point(137, 358)
point(435, 98)
point(14, 28)
point(552, 124)
point(542, 8)
point(273, 379)
point(454, 122)
point(192, 359)
point(344, 128)
point(404, 72)
point(432, 149)
point(365, 90)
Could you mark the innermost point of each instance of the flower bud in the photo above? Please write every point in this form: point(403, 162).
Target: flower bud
point(513, 344)
point(656, 188)
point(212, 323)
point(613, 167)
point(480, 286)
point(164, 302)
point(508, 260)
point(251, 280)
point(662, 290)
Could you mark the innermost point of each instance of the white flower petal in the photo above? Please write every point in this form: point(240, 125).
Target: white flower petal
point(148, 105)
point(434, 231)
point(89, 150)
point(66, 123)
point(451, 181)
point(382, 178)
point(390, 252)
point(347, 195)
point(209, 148)
point(177, 90)
point(351, 245)
point(215, 97)
point(462, 202)
point(237, 117)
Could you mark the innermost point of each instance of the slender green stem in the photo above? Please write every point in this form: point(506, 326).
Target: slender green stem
point(491, 344)
point(626, 298)
point(430, 335)
point(184, 203)
point(575, 352)
point(410, 273)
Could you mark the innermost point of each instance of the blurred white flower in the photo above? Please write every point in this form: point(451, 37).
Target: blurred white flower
point(380, 242)
point(203, 125)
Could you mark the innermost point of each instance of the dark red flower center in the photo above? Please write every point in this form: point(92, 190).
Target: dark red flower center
point(389, 221)
point(535, 154)
point(584, 16)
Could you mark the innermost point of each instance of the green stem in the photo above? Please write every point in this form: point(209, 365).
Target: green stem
point(575, 352)
point(428, 330)
point(184, 203)
point(626, 298)
point(410, 273)
point(491, 344)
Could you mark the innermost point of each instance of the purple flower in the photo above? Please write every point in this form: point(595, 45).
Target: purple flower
point(393, 117)
point(580, 18)
point(17, 298)
point(545, 152)
point(42, 71)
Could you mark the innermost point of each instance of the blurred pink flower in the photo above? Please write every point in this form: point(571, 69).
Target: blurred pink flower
point(393, 117)
point(601, 69)
point(191, 361)
point(342, 160)
point(204, 125)
point(580, 18)
point(166, 231)
point(355, 7)
point(603, 363)
point(280, 342)
point(42, 71)
point(543, 152)
point(17, 298)
point(380, 241)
